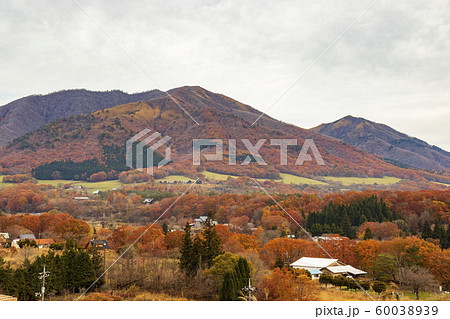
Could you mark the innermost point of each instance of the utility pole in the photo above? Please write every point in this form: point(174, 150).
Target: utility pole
point(43, 275)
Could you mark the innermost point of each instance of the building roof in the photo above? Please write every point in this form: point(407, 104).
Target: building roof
point(346, 269)
point(99, 244)
point(45, 241)
point(314, 271)
point(4, 235)
point(81, 198)
point(27, 236)
point(310, 262)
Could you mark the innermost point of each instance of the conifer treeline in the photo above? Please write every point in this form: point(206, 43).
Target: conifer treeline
point(199, 252)
point(235, 280)
point(343, 219)
point(71, 271)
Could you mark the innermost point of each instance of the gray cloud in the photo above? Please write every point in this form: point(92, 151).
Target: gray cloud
point(391, 67)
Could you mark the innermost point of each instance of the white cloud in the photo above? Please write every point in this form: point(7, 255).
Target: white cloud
point(391, 67)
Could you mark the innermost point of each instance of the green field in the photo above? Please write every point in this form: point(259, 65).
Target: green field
point(90, 187)
point(448, 185)
point(346, 181)
point(285, 178)
point(292, 179)
point(173, 178)
point(216, 176)
point(100, 186)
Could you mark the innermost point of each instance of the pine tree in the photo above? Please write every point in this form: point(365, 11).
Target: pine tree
point(347, 228)
point(165, 228)
point(228, 291)
point(188, 264)
point(426, 230)
point(368, 234)
point(212, 245)
point(438, 232)
point(445, 244)
point(279, 263)
point(362, 219)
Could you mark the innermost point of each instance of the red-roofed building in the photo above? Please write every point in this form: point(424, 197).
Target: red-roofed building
point(44, 243)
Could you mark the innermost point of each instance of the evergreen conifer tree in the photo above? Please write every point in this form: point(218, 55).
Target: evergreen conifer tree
point(368, 234)
point(426, 231)
point(187, 257)
point(212, 245)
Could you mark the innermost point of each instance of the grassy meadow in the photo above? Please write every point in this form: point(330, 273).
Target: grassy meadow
point(285, 178)
point(347, 181)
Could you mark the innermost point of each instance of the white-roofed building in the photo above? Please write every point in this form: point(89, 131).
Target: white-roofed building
point(345, 270)
point(331, 266)
point(314, 263)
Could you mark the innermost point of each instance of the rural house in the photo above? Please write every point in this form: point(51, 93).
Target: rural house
point(98, 244)
point(317, 266)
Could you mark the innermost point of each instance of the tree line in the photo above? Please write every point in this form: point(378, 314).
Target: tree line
point(343, 219)
point(73, 270)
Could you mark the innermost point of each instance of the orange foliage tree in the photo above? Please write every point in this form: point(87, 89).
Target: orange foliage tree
point(283, 284)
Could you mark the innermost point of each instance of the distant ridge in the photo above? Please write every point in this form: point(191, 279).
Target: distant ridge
point(382, 140)
point(26, 114)
point(101, 136)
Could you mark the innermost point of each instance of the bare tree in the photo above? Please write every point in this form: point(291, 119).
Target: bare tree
point(416, 278)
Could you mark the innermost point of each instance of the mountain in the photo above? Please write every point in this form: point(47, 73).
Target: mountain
point(386, 142)
point(101, 136)
point(31, 112)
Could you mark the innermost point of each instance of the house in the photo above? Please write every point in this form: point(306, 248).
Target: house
point(314, 263)
point(4, 240)
point(96, 192)
point(98, 244)
point(147, 201)
point(317, 266)
point(44, 243)
point(345, 270)
point(81, 198)
point(199, 222)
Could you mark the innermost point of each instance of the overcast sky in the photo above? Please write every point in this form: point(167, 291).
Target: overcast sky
point(392, 67)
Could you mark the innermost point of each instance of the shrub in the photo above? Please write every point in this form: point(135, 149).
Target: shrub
point(379, 287)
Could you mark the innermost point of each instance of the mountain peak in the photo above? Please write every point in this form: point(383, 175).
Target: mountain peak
point(384, 141)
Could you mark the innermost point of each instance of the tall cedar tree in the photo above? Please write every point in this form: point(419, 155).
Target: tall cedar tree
point(426, 231)
point(347, 228)
point(228, 290)
point(368, 234)
point(439, 232)
point(212, 245)
point(234, 281)
point(188, 258)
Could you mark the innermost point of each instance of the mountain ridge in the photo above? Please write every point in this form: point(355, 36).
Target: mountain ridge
point(31, 112)
point(94, 135)
point(384, 141)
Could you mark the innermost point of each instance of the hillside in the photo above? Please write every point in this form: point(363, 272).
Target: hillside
point(31, 112)
point(386, 142)
point(101, 135)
